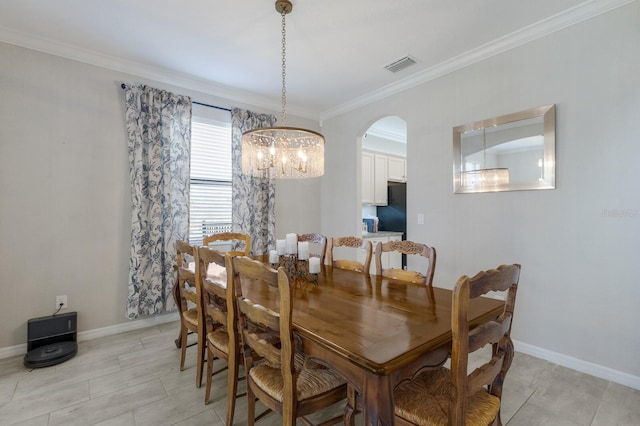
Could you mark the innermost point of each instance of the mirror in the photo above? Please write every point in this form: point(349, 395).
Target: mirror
point(508, 153)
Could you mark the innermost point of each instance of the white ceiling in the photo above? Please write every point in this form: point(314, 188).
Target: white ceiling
point(336, 49)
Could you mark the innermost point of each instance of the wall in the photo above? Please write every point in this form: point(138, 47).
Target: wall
point(578, 244)
point(64, 191)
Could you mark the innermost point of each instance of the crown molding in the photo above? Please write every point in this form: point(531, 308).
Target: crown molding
point(524, 35)
point(532, 32)
point(386, 134)
point(138, 69)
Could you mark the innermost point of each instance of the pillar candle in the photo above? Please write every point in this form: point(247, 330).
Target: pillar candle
point(273, 256)
point(281, 247)
point(314, 265)
point(292, 243)
point(303, 250)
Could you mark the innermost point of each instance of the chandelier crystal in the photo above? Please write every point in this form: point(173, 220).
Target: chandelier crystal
point(485, 178)
point(282, 152)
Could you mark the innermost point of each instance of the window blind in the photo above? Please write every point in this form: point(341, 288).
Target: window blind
point(210, 190)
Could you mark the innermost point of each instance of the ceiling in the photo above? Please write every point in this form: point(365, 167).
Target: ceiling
point(336, 49)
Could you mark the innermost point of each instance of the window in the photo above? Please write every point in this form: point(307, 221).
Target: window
point(210, 199)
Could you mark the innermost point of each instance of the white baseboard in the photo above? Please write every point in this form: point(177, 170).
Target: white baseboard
point(582, 366)
point(96, 333)
point(596, 370)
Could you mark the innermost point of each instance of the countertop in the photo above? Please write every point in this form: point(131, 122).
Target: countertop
point(381, 234)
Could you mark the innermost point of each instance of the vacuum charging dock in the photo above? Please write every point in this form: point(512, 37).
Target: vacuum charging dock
point(51, 340)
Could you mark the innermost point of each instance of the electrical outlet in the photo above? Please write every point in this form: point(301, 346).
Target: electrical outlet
point(61, 300)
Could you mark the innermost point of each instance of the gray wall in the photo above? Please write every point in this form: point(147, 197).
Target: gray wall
point(64, 197)
point(64, 190)
point(580, 289)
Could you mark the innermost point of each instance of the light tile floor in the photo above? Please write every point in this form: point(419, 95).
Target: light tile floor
point(133, 379)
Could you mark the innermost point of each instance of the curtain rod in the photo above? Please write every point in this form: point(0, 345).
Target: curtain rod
point(124, 86)
point(211, 106)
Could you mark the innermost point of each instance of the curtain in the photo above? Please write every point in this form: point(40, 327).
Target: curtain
point(253, 208)
point(159, 138)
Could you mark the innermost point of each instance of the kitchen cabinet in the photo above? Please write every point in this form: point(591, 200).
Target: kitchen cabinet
point(380, 180)
point(389, 259)
point(396, 169)
point(374, 179)
point(368, 174)
point(392, 259)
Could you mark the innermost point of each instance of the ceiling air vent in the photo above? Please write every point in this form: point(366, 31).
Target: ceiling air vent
point(401, 64)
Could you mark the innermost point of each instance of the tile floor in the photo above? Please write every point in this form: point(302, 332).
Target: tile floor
point(133, 379)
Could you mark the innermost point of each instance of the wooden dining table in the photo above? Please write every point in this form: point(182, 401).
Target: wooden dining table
point(375, 331)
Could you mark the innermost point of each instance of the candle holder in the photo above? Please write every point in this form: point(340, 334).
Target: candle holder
point(296, 269)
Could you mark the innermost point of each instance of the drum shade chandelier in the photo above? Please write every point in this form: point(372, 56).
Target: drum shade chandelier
point(283, 152)
point(485, 177)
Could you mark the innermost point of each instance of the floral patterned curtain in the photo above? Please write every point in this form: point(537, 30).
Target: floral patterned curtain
point(253, 208)
point(159, 136)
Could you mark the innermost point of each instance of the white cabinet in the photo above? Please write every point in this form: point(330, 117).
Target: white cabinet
point(389, 259)
point(374, 243)
point(374, 179)
point(394, 258)
point(368, 174)
point(397, 169)
point(380, 180)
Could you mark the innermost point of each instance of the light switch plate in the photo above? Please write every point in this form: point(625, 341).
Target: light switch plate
point(420, 218)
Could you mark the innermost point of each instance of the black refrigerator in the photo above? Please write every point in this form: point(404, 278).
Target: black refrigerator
point(393, 216)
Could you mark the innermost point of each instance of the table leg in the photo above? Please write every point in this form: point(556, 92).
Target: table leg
point(377, 401)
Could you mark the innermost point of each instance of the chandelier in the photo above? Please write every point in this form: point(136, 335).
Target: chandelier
point(282, 152)
point(485, 177)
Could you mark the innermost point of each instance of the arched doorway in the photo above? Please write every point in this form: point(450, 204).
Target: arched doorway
point(384, 180)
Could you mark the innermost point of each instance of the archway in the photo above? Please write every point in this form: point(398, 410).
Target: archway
point(384, 180)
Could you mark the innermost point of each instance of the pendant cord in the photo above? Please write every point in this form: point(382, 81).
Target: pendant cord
point(284, 70)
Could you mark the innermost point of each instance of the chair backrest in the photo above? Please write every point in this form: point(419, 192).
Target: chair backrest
point(319, 239)
point(407, 247)
point(496, 332)
point(185, 254)
point(240, 243)
point(355, 243)
point(264, 332)
point(188, 285)
point(214, 291)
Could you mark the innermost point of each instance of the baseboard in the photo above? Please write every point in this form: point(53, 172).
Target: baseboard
point(96, 333)
point(596, 370)
point(582, 366)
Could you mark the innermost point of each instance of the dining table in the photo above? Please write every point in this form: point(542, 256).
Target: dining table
point(375, 331)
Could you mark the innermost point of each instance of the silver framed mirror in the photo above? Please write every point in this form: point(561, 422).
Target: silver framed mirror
point(508, 153)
